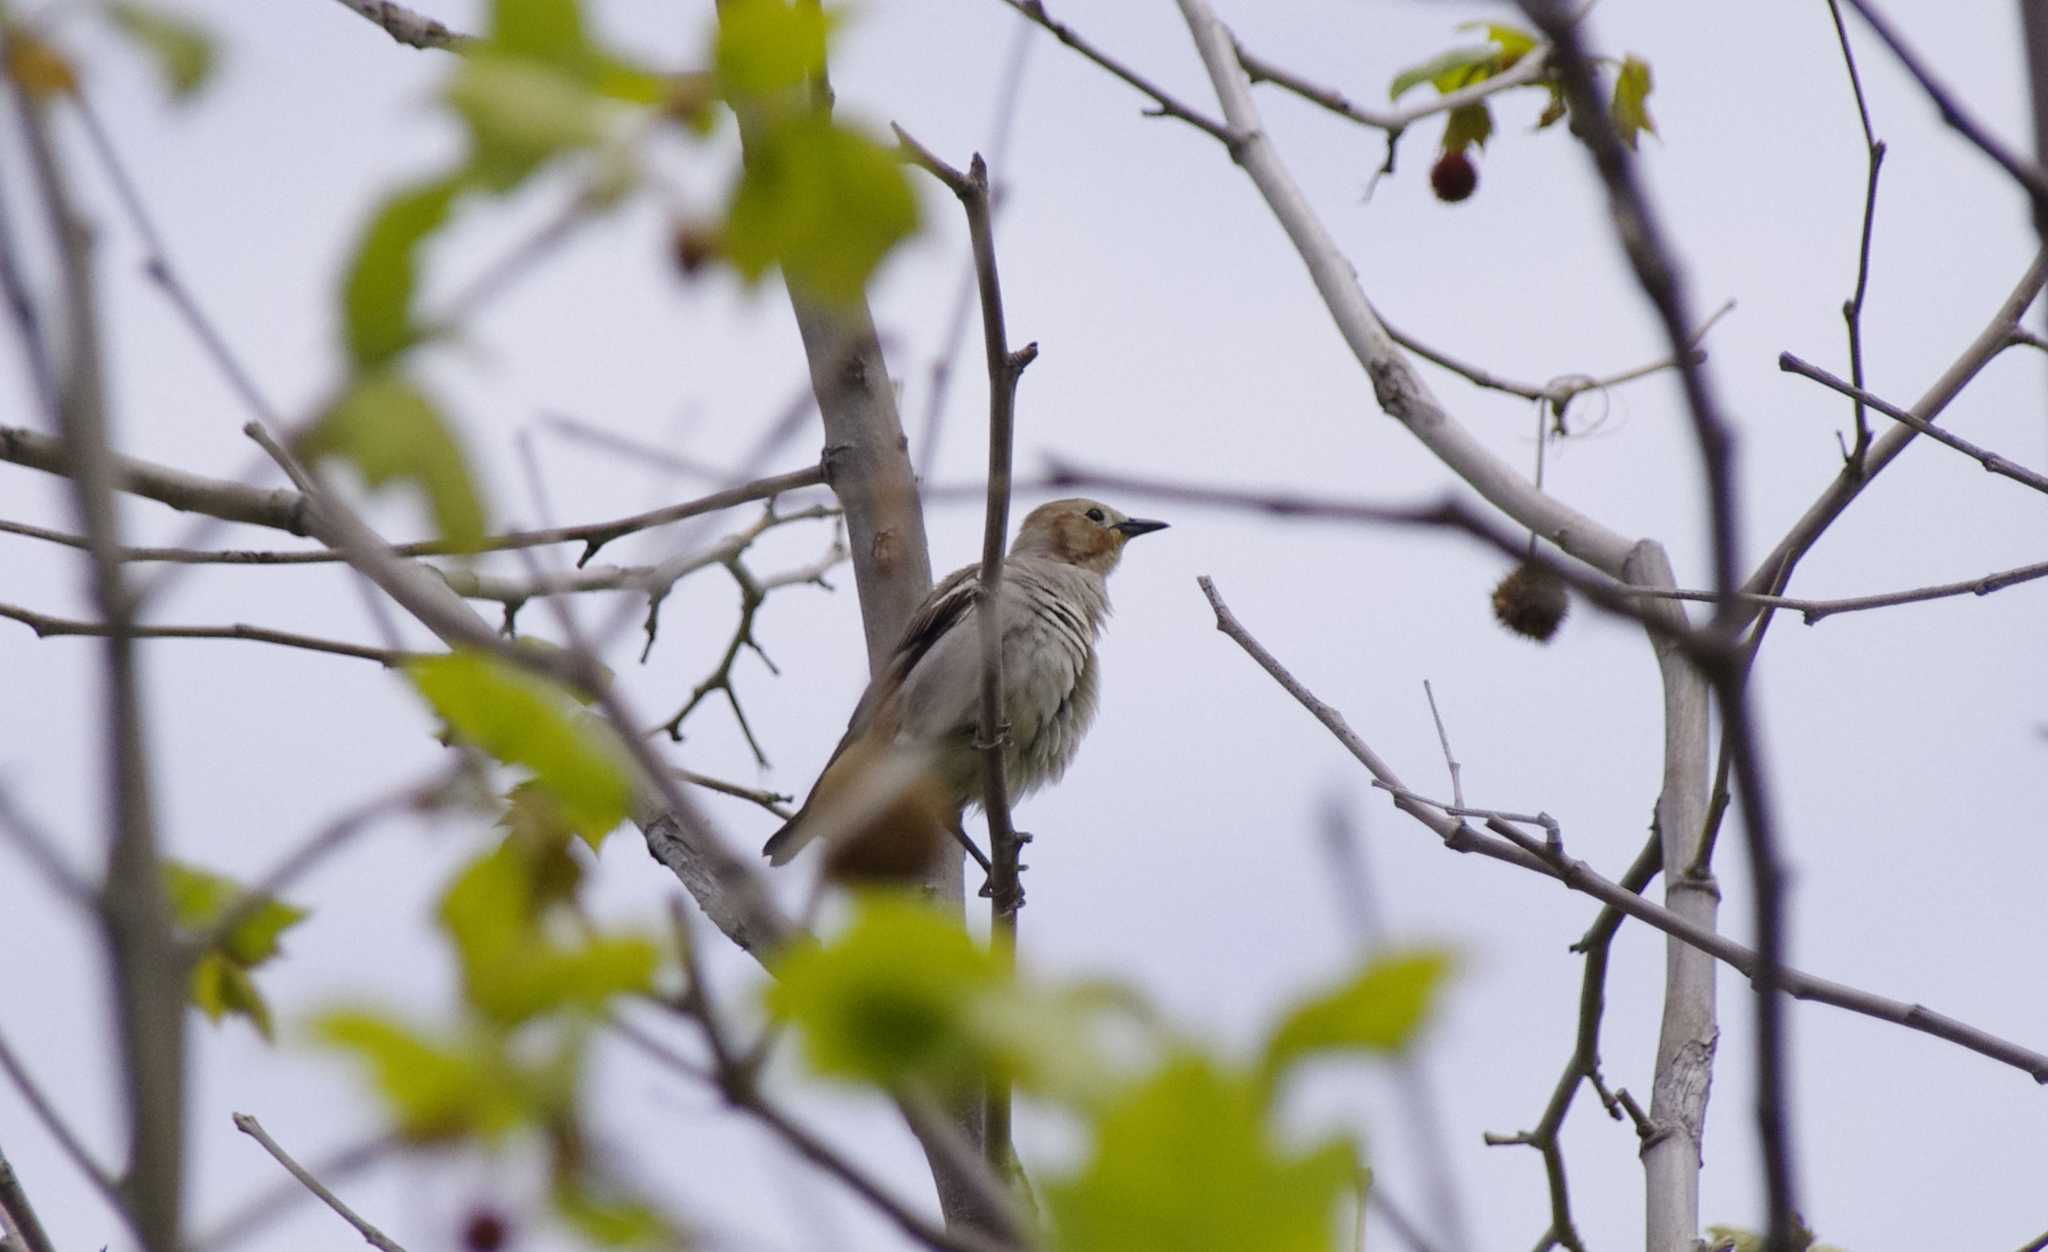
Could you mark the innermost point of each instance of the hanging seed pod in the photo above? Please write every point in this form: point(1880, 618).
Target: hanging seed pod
point(1531, 601)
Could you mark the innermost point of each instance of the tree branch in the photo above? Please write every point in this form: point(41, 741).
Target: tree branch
point(46, 626)
point(371, 1235)
point(1991, 461)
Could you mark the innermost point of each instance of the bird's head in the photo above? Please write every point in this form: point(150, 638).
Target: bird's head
point(1079, 532)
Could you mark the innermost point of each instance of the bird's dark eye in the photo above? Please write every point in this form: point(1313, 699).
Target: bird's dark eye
point(1096, 515)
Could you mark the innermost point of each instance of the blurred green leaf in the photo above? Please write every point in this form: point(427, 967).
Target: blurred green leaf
point(184, 51)
point(1513, 42)
point(521, 720)
point(220, 985)
point(1554, 109)
point(1380, 1010)
point(521, 113)
point(548, 31)
point(448, 1090)
point(221, 988)
point(377, 296)
point(1468, 125)
point(534, 824)
point(766, 46)
point(892, 997)
point(607, 1219)
point(1631, 96)
point(512, 969)
point(199, 897)
point(823, 202)
point(1448, 71)
point(1187, 1161)
point(392, 431)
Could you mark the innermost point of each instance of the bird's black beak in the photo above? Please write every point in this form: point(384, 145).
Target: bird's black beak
point(1132, 527)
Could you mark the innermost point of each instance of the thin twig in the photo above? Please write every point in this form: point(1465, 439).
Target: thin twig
point(414, 30)
point(67, 1139)
point(1815, 610)
point(134, 915)
point(1005, 367)
point(20, 1229)
point(1164, 104)
point(1548, 860)
point(273, 1202)
point(1442, 737)
point(1532, 68)
point(2024, 172)
point(1852, 308)
point(46, 627)
point(1773, 573)
point(1991, 461)
point(1642, 239)
point(41, 850)
point(371, 1235)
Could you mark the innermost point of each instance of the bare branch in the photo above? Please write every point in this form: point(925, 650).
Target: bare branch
point(41, 850)
point(134, 915)
point(20, 1229)
point(414, 30)
point(1815, 610)
point(1164, 104)
point(2024, 172)
point(1852, 308)
point(1773, 573)
point(1005, 367)
point(272, 1203)
point(1541, 857)
point(1991, 461)
point(1532, 68)
point(371, 1235)
point(67, 1139)
point(46, 626)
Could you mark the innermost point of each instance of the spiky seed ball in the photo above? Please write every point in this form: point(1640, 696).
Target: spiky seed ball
point(1453, 176)
point(1531, 601)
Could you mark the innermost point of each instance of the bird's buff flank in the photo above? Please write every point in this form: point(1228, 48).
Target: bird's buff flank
point(894, 790)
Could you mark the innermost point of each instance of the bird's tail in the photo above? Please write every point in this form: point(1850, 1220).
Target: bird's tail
point(784, 844)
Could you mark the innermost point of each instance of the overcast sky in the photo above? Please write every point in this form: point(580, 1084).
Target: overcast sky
point(1180, 337)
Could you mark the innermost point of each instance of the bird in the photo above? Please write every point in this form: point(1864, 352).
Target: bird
point(895, 789)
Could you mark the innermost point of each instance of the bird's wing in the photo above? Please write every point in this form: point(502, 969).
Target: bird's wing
point(948, 604)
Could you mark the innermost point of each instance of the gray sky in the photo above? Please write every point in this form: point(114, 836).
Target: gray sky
point(1179, 337)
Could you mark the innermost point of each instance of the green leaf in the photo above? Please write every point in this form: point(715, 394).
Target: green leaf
point(1448, 71)
point(1631, 93)
point(766, 46)
point(823, 202)
point(548, 31)
point(521, 720)
point(220, 985)
point(198, 899)
point(438, 1090)
point(512, 970)
point(1514, 42)
point(1187, 1161)
point(608, 1219)
point(1380, 1010)
point(377, 296)
point(221, 988)
point(893, 997)
point(391, 431)
point(522, 113)
point(1468, 125)
point(184, 51)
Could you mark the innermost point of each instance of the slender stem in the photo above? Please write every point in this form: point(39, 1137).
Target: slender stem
point(20, 1229)
point(371, 1235)
point(1991, 461)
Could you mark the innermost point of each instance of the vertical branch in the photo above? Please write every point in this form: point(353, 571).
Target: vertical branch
point(1004, 369)
point(1852, 308)
point(148, 997)
point(1642, 240)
